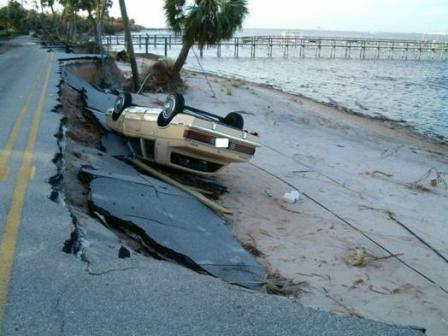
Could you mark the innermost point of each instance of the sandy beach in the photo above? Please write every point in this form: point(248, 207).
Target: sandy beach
point(368, 236)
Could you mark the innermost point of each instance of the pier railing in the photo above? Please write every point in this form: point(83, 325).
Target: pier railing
point(296, 46)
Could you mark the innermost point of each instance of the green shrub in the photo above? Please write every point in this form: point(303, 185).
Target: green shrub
point(4, 34)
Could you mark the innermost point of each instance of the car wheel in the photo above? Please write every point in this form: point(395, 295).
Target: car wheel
point(234, 119)
point(124, 100)
point(174, 104)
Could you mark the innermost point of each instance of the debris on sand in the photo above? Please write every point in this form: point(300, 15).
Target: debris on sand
point(226, 88)
point(122, 56)
point(291, 197)
point(360, 258)
point(250, 245)
point(160, 78)
point(430, 181)
point(355, 259)
point(279, 285)
point(378, 172)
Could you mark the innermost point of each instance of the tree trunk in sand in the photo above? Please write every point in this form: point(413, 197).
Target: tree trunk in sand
point(99, 28)
point(182, 56)
point(130, 47)
point(93, 22)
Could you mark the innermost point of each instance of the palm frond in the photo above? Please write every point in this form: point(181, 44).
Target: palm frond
point(206, 22)
point(175, 14)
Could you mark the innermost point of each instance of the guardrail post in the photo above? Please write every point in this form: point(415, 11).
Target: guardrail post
point(285, 47)
point(391, 50)
point(235, 52)
point(252, 49)
point(270, 47)
point(406, 50)
point(166, 47)
point(146, 43)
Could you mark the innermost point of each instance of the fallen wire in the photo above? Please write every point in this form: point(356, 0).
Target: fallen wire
point(204, 73)
point(289, 210)
point(420, 239)
point(353, 227)
point(349, 310)
point(392, 217)
point(312, 169)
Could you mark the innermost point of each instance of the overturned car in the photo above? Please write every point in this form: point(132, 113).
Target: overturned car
point(181, 136)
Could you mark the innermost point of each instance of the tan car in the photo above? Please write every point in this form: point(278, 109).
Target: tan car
point(181, 136)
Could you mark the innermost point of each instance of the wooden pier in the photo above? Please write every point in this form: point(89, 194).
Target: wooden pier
point(297, 46)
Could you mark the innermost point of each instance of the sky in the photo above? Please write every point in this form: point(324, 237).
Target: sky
point(419, 16)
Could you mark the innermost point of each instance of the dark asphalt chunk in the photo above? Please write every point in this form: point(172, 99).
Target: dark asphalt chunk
point(171, 222)
point(98, 100)
point(95, 98)
point(74, 81)
point(176, 226)
point(124, 253)
point(115, 145)
point(99, 117)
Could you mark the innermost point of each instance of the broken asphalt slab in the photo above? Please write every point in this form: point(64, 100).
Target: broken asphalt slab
point(171, 222)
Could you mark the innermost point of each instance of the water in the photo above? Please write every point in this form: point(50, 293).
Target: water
point(413, 92)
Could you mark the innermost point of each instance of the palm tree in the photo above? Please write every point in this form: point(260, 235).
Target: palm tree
point(130, 47)
point(205, 22)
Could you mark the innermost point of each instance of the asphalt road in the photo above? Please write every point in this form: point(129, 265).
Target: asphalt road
point(44, 291)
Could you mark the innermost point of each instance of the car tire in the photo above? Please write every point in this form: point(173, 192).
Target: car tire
point(174, 104)
point(123, 101)
point(234, 119)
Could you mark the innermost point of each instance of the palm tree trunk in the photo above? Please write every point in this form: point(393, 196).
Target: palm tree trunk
point(130, 47)
point(99, 28)
point(93, 22)
point(182, 58)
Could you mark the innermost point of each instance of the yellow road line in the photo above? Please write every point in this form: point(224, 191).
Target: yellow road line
point(6, 153)
point(9, 239)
